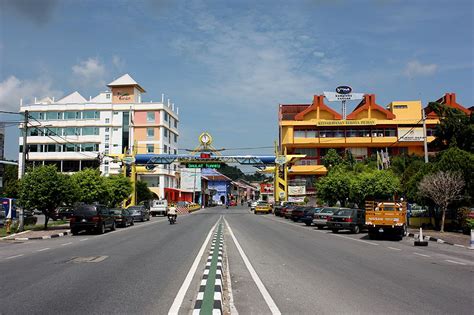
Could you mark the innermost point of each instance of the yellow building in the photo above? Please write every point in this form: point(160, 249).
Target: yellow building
point(313, 129)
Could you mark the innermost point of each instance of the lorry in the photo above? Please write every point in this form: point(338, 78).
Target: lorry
point(386, 218)
point(158, 207)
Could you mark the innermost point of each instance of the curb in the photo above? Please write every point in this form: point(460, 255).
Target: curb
point(208, 272)
point(435, 239)
point(39, 237)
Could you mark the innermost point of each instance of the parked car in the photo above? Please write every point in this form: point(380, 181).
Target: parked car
point(92, 218)
point(308, 215)
point(298, 213)
point(347, 219)
point(122, 217)
point(62, 213)
point(285, 209)
point(321, 218)
point(279, 206)
point(139, 213)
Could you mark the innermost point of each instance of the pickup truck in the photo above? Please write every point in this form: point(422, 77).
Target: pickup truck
point(158, 207)
point(386, 218)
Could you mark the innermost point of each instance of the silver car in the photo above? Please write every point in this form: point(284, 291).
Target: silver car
point(321, 218)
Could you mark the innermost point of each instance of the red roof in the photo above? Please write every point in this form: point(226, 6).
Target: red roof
point(449, 99)
point(368, 103)
point(318, 101)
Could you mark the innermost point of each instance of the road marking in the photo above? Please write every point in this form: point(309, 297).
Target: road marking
point(43, 249)
point(66, 244)
point(423, 255)
point(393, 248)
point(11, 257)
point(233, 309)
point(455, 262)
point(84, 239)
point(178, 300)
point(354, 239)
point(460, 245)
point(261, 287)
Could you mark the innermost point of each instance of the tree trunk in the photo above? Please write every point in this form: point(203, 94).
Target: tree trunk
point(46, 219)
point(443, 216)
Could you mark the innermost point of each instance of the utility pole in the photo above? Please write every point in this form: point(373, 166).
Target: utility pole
point(23, 164)
point(425, 141)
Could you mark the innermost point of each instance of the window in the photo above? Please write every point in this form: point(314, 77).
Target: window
point(166, 116)
point(150, 148)
point(107, 137)
point(175, 138)
point(107, 129)
point(115, 113)
point(150, 116)
point(175, 152)
point(52, 148)
point(400, 106)
point(72, 131)
point(89, 131)
point(107, 120)
point(89, 147)
point(176, 123)
point(165, 149)
point(115, 129)
point(69, 148)
point(107, 96)
point(308, 152)
point(72, 115)
point(36, 115)
point(54, 115)
point(150, 132)
point(107, 146)
point(33, 132)
point(165, 132)
point(90, 114)
point(32, 148)
point(107, 151)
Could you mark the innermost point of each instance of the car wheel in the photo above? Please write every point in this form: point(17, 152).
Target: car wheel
point(101, 229)
point(307, 223)
point(112, 228)
point(148, 219)
point(319, 227)
point(356, 229)
point(143, 219)
point(132, 223)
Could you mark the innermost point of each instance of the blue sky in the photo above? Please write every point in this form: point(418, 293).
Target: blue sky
point(228, 64)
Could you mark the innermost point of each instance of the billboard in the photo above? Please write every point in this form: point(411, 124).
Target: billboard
point(296, 190)
point(407, 134)
point(190, 179)
point(266, 188)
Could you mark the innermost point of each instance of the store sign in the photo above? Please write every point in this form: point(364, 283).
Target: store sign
point(266, 188)
point(343, 89)
point(203, 165)
point(345, 123)
point(407, 134)
point(296, 190)
point(337, 97)
point(296, 199)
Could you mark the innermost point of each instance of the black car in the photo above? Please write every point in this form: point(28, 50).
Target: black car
point(139, 213)
point(347, 219)
point(308, 215)
point(298, 213)
point(122, 217)
point(62, 213)
point(91, 218)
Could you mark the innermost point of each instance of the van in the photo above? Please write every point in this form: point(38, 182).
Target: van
point(158, 207)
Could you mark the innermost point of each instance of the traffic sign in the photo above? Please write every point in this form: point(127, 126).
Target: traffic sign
point(203, 165)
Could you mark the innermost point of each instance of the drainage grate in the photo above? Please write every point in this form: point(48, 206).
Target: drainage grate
point(90, 259)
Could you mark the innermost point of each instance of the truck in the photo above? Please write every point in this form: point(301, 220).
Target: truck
point(387, 218)
point(158, 207)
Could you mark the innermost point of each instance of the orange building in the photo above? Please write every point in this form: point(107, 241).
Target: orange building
point(313, 129)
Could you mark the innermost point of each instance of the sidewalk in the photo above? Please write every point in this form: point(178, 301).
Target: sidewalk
point(52, 232)
point(446, 237)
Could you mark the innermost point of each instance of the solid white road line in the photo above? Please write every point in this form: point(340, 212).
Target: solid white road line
point(11, 257)
point(455, 262)
point(233, 309)
point(422, 255)
point(43, 249)
point(261, 287)
point(178, 300)
point(354, 239)
point(393, 248)
point(66, 244)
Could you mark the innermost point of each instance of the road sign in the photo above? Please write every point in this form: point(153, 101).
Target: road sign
point(337, 97)
point(203, 165)
point(129, 160)
point(282, 194)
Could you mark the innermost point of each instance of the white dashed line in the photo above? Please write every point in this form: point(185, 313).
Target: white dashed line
point(84, 239)
point(11, 257)
point(43, 249)
point(455, 262)
point(422, 255)
point(393, 248)
point(66, 244)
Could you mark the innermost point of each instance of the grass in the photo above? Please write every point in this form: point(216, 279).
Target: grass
point(37, 227)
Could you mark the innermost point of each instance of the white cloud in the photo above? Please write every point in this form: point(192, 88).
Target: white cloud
point(319, 54)
point(13, 89)
point(415, 68)
point(89, 73)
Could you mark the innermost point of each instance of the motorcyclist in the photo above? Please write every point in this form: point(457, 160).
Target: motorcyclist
point(172, 212)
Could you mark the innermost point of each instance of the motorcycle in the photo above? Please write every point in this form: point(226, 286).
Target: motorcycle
point(172, 219)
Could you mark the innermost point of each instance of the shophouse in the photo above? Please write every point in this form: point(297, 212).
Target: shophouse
point(313, 129)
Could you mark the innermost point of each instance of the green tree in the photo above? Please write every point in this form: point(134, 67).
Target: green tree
point(11, 184)
point(455, 128)
point(332, 159)
point(232, 172)
point(373, 184)
point(143, 192)
point(334, 187)
point(119, 188)
point(45, 189)
point(90, 186)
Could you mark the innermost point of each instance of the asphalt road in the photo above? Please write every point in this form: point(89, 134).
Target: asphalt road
point(275, 266)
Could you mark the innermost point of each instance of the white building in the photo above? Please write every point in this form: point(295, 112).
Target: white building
point(74, 133)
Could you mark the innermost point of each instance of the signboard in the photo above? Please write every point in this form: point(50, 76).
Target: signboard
point(203, 165)
point(190, 180)
point(282, 194)
point(407, 134)
point(296, 199)
point(129, 160)
point(266, 188)
point(296, 190)
point(345, 122)
point(335, 97)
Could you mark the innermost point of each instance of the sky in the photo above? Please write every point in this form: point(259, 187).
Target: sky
point(227, 65)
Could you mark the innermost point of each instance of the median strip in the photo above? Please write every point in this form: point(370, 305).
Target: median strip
point(209, 298)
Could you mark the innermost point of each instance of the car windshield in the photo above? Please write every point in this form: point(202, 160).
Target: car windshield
point(116, 211)
point(344, 212)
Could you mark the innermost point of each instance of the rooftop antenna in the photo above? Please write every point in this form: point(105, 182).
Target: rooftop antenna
point(172, 107)
point(162, 98)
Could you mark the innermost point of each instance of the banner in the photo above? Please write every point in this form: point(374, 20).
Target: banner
point(410, 134)
point(296, 190)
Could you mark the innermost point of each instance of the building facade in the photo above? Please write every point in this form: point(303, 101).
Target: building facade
point(313, 129)
point(74, 133)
